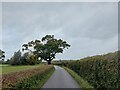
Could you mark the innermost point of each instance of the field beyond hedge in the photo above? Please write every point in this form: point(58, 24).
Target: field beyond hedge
point(8, 68)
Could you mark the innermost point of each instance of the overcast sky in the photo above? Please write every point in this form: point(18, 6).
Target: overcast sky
point(90, 28)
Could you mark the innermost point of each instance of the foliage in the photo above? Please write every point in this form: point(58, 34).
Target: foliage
point(16, 59)
point(36, 81)
point(83, 83)
point(25, 59)
point(101, 71)
point(2, 56)
point(7, 62)
point(26, 78)
point(47, 47)
point(32, 60)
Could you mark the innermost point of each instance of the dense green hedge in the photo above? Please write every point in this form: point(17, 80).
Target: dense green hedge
point(36, 81)
point(27, 79)
point(82, 83)
point(100, 71)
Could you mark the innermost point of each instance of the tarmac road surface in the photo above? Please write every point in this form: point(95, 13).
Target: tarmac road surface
point(60, 79)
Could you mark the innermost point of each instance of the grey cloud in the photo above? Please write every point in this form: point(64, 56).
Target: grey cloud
point(90, 28)
point(99, 23)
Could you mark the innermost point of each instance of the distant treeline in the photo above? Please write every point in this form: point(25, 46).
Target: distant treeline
point(101, 71)
point(27, 58)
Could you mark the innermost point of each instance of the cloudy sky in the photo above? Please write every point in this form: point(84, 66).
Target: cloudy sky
point(90, 28)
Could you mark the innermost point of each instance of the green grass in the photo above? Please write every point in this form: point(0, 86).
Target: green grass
point(83, 83)
point(8, 68)
point(1, 65)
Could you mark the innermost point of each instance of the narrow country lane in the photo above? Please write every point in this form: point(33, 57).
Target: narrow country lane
point(60, 79)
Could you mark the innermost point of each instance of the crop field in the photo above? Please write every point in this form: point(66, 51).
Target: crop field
point(5, 68)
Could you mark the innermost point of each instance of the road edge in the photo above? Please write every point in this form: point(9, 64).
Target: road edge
point(82, 83)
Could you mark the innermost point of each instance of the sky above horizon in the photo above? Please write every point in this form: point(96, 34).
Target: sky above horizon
point(90, 28)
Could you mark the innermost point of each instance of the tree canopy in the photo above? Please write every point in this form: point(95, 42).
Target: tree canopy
point(25, 59)
point(2, 55)
point(46, 48)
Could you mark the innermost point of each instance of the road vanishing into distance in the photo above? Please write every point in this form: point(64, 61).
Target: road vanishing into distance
point(60, 79)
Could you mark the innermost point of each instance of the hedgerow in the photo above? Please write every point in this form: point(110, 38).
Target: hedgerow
point(101, 71)
point(26, 79)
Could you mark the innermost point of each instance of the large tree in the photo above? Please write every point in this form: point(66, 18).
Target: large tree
point(46, 48)
point(16, 58)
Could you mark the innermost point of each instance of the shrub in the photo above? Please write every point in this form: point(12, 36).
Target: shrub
point(32, 60)
point(100, 71)
point(25, 79)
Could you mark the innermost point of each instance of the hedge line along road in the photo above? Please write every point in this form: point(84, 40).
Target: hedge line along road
point(60, 79)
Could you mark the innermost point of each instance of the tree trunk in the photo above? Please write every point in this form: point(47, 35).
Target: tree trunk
point(49, 62)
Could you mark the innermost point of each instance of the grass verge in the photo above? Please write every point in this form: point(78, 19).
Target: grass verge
point(47, 76)
point(83, 83)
